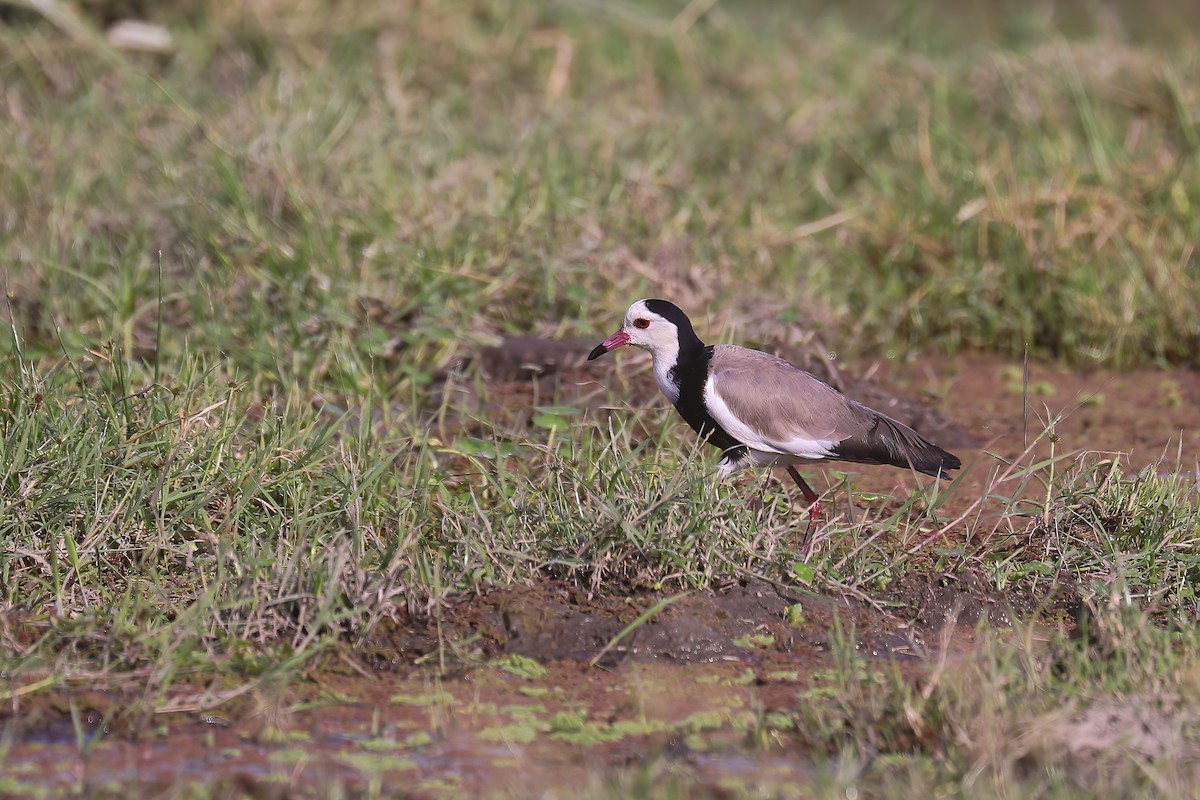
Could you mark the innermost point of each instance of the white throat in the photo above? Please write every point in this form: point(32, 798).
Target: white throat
point(665, 359)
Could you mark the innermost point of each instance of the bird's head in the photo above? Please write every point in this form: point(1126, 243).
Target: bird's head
point(654, 325)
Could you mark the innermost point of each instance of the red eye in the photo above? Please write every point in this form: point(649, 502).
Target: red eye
point(641, 323)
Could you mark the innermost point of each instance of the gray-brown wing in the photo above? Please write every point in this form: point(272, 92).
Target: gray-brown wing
point(775, 406)
point(783, 406)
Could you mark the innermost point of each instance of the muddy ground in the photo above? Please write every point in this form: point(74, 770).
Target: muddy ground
point(513, 691)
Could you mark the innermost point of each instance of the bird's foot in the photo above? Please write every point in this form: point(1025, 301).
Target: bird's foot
point(814, 515)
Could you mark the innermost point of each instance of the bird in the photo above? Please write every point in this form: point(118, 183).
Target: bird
point(761, 410)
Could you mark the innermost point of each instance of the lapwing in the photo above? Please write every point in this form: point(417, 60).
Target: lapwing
point(763, 411)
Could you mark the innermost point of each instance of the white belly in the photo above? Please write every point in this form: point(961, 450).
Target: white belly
point(761, 458)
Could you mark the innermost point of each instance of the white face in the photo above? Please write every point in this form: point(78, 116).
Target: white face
point(650, 331)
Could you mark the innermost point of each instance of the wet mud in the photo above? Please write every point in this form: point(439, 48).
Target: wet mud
point(515, 692)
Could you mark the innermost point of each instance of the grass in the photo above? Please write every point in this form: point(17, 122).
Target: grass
point(237, 280)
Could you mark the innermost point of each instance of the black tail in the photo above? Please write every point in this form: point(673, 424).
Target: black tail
point(892, 442)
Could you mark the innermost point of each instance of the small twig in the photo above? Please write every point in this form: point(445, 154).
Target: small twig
point(179, 421)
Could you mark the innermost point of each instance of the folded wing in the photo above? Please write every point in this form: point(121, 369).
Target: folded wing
point(776, 407)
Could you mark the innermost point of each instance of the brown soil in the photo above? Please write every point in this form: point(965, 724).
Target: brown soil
point(447, 707)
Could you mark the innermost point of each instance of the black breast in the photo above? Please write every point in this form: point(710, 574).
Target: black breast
point(691, 374)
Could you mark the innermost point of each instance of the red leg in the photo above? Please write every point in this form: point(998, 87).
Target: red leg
point(814, 505)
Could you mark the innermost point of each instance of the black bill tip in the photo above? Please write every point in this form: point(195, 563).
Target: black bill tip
point(597, 351)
